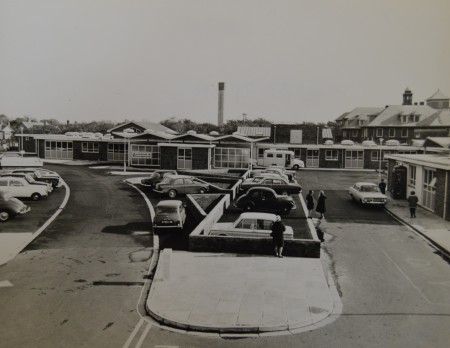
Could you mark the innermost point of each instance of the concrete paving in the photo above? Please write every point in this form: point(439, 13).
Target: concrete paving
point(230, 293)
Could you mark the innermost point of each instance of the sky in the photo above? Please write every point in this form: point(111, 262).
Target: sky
point(282, 60)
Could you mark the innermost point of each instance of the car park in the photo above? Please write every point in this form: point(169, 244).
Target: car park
point(29, 179)
point(265, 199)
point(169, 215)
point(41, 175)
point(11, 206)
point(367, 193)
point(280, 186)
point(254, 225)
point(21, 188)
point(173, 185)
point(156, 177)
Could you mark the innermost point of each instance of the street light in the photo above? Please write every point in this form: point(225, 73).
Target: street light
point(21, 138)
point(126, 151)
point(379, 160)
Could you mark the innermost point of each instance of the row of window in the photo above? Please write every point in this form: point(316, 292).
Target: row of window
point(379, 132)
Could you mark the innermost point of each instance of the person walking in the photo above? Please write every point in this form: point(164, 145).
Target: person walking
point(320, 208)
point(277, 234)
point(310, 203)
point(382, 186)
point(412, 203)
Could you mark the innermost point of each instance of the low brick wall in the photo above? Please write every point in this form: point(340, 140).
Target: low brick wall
point(205, 225)
point(260, 246)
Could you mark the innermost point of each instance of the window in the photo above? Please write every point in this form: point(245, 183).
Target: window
point(379, 132)
point(145, 155)
point(279, 155)
point(412, 176)
point(374, 156)
point(391, 132)
point(344, 134)
point(354, 133)
point(365, 132)
point(416, 118)
point(331, 155)
point(269, 155)
point(231, 157)
point(89, 147)
point(404, 118)
point(404, 133)
point(261, 153)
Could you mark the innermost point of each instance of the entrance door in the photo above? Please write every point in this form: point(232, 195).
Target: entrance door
point(429, 188)
point(354, 159)
point(184, 158)
point(312, 158)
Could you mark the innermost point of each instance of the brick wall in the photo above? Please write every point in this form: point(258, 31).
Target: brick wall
point(199, 158)
point(78, 154)
point(168, 157)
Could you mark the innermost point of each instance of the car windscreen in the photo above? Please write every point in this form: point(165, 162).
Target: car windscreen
point(370, 189)
point(166, 210)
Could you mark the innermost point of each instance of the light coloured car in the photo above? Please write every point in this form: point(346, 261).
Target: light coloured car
point(10, 207)
point(254, 225)
point(290, 173)
point(259, 174)
point(29, 178)
point(21, 188)
point(169, 214)
point(41, 175)
point(367, 193)
point(172, 185)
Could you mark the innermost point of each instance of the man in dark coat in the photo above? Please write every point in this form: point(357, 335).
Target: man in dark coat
point(310, 203)
point(320, 208)
point(277, 234)
point(382, 186)
point(412, 202)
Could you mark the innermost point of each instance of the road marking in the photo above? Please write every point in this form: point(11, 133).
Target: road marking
point(136, 329)
point(144, 334)
point(5, 284)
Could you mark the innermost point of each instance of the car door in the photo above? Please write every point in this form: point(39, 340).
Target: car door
point(189, 186)
point(278, 185)
point(256, 198)
point(268, 201)
point(244, 228)
point(19, 188)
point(263, 228)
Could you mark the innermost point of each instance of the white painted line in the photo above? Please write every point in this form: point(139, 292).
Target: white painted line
point(133, 334)
point(144, 334)
point(5, 284)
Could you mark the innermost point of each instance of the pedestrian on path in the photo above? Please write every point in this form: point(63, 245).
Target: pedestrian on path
point(412, 202)
point(320, 208)
point(310, 203)
point(382, 186)
point(277, 234)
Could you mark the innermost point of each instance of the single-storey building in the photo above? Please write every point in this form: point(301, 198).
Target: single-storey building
point(426, 174)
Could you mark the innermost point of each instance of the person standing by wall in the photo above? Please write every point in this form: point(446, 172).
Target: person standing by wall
point(412, 202)
point(310, 203)
point(320, 208)
point(277, 234)
point(382, 186)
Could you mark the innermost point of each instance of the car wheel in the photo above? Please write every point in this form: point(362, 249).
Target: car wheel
point(4, 215)
point(296, 167)
point(172, 193)
point(35, 196)
point(201, 191)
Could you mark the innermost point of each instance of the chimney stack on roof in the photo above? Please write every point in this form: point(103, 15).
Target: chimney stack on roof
point(221, 95)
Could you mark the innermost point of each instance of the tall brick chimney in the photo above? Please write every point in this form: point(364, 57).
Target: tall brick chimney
point(221, 92)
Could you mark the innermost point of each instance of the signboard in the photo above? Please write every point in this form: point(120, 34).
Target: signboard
point(142, 155)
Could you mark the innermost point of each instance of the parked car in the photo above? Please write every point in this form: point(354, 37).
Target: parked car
point(29, 179)
point(280, 186)
point(277, 175)
point(367, 193)
point(275, 170)
point(290, 173)
point(265, 199)
point(41, 175)
point(20, 187)
point(10, 207)
point(255, 225)
point(169, 214)
point(156, 177)
point(173, 185)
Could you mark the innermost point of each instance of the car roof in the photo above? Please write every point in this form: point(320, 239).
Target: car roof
point(177, 176)
point(261, 188)
point(169, 203)
point(264, 216)
point(362, 183)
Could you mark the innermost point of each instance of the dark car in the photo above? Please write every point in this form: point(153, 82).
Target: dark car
point(265, 199)
point(169, 215)
point(280, 185)
point(173, 185)
point(41, 175)
point(156, 177)
point(10, 207)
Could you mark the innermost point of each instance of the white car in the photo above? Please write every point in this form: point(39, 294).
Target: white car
point(21, 188)
point(255, 225)
point(367, 193)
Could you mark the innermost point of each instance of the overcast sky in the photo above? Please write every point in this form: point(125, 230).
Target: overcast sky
point(283, 60)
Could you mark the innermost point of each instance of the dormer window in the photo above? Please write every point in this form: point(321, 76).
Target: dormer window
point(404, 119)
point(416, 118)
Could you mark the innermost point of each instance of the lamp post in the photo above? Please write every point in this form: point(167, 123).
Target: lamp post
point(379, 160)
point(126, 152)
point(21, 138)
point(318, 128)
